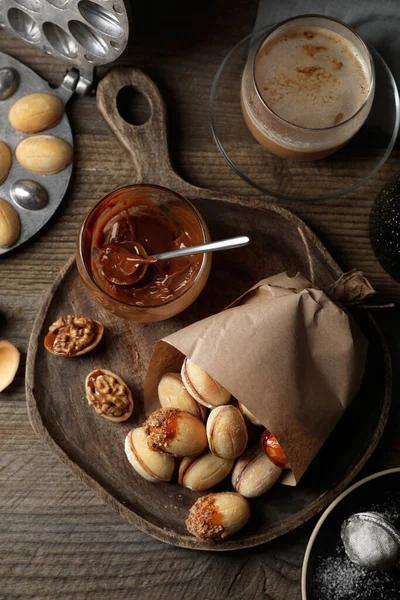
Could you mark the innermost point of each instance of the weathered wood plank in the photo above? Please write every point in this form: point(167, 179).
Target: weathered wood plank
point(56, 539)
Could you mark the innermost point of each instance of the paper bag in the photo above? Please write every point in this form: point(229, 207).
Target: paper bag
point(285, 350)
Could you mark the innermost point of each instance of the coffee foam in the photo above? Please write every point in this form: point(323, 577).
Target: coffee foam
point(311, 77)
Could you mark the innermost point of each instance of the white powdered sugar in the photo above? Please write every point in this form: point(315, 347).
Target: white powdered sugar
point(336, 578)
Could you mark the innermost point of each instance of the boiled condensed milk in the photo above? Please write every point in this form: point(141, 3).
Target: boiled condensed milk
point(308, 87)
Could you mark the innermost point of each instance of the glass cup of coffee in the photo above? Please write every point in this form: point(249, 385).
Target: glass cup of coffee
point(307, 87)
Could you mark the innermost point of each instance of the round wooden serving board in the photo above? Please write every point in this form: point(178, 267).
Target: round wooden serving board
point(94, 448)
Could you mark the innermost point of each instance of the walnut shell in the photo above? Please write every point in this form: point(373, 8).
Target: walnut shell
point(203, 472)
point(152, 465)
point(202, 386)
point(226, 432)
point(5, 161)
point(218, 516)
point(254, 473)
point(36, 112)
point(10, 226)
point(109, 395)
point(9, 362)
point(173, 394)
point(44, 154)
point(176, 432)
point(73, 336)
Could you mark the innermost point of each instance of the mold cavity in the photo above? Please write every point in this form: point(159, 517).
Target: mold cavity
point(133, 106)
point(100, 18)
point(33, 5)
point(60, 40)
point(59, 3)
point(24, 25)
point(114, 45)
point(117, 9)
point(88, 39)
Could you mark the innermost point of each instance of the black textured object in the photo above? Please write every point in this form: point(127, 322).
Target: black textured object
point(384, 228)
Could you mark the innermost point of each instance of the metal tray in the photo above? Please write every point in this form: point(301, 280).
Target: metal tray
point(55, 185)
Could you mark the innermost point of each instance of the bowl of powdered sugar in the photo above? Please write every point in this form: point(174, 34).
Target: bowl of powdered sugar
point(328, 573)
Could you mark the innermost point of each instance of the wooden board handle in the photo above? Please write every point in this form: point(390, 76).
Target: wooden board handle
point(146, 143)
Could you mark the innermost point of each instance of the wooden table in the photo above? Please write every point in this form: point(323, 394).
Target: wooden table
point(57, 539)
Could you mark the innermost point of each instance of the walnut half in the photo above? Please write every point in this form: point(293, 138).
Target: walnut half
point(73, 336)
point(109, 395)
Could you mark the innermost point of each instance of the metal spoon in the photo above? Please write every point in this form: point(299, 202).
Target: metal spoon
point(131, 269)
point(371, 541)
point(235, 242)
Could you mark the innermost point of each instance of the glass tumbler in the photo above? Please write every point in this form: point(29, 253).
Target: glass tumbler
point(299, 71)
point(144, 199)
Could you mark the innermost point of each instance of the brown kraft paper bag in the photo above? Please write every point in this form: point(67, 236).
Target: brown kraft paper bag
point(284, 349)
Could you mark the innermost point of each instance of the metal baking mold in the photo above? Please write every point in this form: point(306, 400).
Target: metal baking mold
point(55, 185)
point(86, 33)
point(9, 82)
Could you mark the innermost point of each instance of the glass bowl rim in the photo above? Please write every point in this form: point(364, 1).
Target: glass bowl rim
point(321, 521)
point(279, 195)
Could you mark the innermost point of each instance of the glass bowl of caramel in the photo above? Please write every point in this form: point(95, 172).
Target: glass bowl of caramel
point(118, 235)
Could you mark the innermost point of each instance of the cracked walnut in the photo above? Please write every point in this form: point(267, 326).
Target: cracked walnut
point(109, 395)
point(73, 336)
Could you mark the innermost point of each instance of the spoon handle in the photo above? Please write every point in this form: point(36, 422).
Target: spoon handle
point(211, 247)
